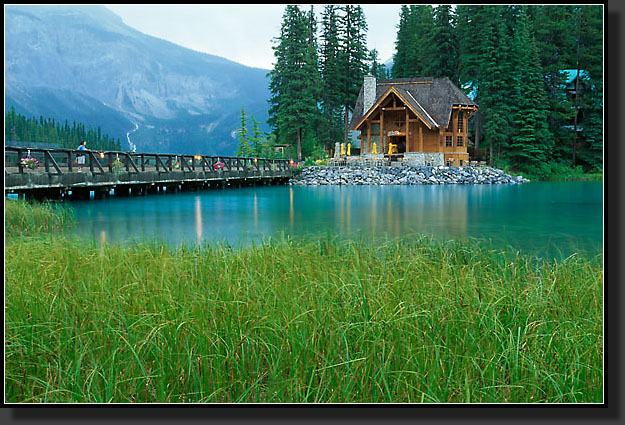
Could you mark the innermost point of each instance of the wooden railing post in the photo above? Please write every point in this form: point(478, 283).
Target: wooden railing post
point(46, 161)
point(50, 159)
point(19, 162)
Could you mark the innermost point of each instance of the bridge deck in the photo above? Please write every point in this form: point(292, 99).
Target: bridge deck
point(54, 172)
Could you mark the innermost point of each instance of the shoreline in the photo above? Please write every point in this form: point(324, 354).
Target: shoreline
point(401, 175)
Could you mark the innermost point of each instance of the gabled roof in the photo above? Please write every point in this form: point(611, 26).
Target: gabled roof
point(432, 98)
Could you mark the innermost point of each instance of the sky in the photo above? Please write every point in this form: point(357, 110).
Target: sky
point(243, 33)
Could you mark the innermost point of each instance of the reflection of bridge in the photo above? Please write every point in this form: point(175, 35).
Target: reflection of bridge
point(55, 173)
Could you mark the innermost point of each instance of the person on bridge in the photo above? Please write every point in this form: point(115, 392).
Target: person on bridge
point(80, 159)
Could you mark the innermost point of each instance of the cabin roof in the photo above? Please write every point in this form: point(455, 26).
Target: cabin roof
point(432, 97)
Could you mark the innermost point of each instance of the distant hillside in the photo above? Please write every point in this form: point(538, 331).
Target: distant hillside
point(83, 63)
point(389, 64)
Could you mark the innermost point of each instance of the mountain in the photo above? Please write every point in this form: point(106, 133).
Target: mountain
point(389, 64)
point(83, 63)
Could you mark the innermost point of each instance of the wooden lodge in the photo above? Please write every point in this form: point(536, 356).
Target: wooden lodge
point(425, 119)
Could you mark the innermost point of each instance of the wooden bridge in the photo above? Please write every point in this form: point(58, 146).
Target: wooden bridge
point(56, 173)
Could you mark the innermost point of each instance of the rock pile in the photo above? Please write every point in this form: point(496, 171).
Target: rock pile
point(408, 175)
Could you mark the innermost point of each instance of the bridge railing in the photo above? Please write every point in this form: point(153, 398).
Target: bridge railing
point(60, 161)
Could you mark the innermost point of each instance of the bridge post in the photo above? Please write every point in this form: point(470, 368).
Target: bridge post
point(101, 192)
point(122, 190)
point(80, 193)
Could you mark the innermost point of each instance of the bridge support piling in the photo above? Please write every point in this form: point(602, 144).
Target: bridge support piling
point(122, 190)
point(138, 190)
point(42, 194)
point(152, 189)
point(80, 193)
point(101, 193)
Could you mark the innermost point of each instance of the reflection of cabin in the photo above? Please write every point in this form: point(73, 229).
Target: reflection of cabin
point(426, 118)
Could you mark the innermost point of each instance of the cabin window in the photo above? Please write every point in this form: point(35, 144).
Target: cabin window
point(449, 162)
point(460, 141)
point(461, 163)
point(460, 123)
point(448, 141)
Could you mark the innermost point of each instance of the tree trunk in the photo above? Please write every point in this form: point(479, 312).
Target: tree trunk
point(477, 132)
point(346, 125)
point(299, 144)
point(576, 112)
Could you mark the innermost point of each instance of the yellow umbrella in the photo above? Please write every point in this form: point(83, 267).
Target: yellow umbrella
point(348, 146)
point(342, 149)
point(374, 151)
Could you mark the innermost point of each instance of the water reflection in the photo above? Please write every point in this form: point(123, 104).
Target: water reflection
point(291, 210)
point(255, 212)
point(529, 216)
point(198, 218)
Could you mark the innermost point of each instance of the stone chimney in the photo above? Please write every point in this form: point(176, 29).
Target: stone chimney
point(369, 89)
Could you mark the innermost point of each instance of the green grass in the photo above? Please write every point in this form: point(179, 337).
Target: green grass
point(32, 218)
point(299, 321)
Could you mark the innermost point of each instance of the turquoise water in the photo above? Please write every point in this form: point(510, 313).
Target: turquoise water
point(543, 218)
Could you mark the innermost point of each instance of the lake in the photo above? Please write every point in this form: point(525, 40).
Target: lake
point(541, 218)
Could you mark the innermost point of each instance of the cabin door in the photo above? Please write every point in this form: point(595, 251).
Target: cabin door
point(400, 142)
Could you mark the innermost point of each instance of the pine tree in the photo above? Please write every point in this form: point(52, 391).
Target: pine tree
point(531, 141)
point(352, 57)
point(554, 31)
point(256, 140)
point(312, 132)
point(445, 43)
point(244, 148)
point(493, 77)
point(589, 56)
point(423, 47)
point(415, 51)
point(472, 25)
point(331, 105)
point(377, 69)
point(402, 44)
point(292, 81)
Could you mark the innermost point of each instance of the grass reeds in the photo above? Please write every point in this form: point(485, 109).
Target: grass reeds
point(33, 218)
point(301, 320)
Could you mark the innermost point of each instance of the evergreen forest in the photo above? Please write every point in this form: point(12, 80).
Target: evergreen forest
point(48, 132)
point(536, 72)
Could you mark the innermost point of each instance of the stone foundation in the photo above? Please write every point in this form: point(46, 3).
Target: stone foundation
point(417, 159)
